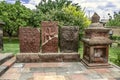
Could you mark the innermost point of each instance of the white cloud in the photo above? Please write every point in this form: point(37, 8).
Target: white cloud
point(102, 7)
point(30, 6)
point(32, 3)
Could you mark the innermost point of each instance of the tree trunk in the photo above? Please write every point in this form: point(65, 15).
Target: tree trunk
point(10, 37)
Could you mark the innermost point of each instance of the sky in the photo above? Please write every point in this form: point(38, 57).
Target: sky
point(102, 7)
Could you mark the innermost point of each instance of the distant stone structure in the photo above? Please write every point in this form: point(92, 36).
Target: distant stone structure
point(69, 39)
point(29, 40)
point(1, 35)
point(95, 18)
point(49, 37)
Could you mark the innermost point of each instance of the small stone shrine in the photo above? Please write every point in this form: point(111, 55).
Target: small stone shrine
point(29, 40)
point(1, 35)
point(69, 39)
point(49, 37)
point(96, 44)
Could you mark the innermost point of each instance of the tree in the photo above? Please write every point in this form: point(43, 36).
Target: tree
point(60, 10)
point(14, 16)
point(115, 21)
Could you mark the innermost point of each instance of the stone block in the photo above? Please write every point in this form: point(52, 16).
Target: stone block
point(69, 39)
point(29, 40)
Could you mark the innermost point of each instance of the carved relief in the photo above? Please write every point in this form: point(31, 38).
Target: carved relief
point(49, 37)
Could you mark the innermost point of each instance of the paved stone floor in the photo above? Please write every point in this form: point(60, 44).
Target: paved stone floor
point(59, 71)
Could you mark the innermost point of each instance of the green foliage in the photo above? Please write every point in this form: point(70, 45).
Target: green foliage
point(63, 11)
point(115, 21)
point(115, 37)
point(114, 55)
point(14, 16)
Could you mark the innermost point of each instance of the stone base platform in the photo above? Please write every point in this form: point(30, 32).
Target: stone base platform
point(48, 57)
point(95, 65)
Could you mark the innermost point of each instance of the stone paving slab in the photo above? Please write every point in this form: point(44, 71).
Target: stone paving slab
point(4, 57)
point(59, 71)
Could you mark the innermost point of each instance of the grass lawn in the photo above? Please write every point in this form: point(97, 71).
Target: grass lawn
point(13, 47)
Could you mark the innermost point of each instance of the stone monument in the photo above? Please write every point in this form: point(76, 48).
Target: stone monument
point(1, 35)
point(29, 40)
point(49, 37)
point(69, 39)
point(96, 44)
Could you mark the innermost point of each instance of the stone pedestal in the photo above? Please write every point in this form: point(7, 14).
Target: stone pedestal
point(49, 37)
point(29, 40)
point(69, 39)
point(96, 47)
point(1, 35)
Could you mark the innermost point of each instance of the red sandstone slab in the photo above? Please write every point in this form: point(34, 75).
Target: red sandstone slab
point(49, 37)
point(29, 40)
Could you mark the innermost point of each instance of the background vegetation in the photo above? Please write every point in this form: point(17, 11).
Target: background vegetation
point(115, 21)
point(64, 11)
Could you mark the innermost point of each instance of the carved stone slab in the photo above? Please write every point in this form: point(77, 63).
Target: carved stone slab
point(49, 37)
point(69, 39)
point(29, 40)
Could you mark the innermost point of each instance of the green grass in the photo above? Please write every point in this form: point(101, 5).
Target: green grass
point(11, 46)
point(114, 55)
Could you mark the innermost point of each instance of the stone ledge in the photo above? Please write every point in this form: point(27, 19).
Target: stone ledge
point(47, 57)
point(6, 65)
point(5, 57)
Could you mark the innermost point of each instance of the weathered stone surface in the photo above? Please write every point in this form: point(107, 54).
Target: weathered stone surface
point(26, 57)
point(69, 39)
point(48, 57)
point(29, 40)
point(49, 37)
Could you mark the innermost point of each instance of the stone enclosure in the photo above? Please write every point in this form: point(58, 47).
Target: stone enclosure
point(61, 44)
point(30, 45)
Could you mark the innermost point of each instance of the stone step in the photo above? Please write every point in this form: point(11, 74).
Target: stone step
point(5, 57)
point(6, 65)
point(48, 57)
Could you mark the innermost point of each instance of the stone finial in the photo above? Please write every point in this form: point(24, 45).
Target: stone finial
point(95, 18)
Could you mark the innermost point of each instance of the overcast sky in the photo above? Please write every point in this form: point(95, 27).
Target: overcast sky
point(102, 7)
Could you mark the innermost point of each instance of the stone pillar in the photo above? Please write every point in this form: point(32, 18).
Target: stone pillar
point(49, 37)
point(29, 40)
point(1, 35)
point(69, 39)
